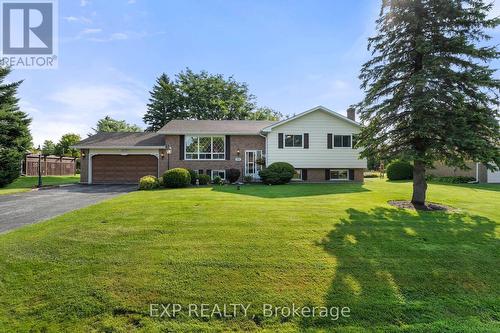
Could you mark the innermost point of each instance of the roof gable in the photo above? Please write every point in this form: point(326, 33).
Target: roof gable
point(315, 109)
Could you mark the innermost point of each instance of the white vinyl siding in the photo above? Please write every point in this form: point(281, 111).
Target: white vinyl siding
point(318, 124)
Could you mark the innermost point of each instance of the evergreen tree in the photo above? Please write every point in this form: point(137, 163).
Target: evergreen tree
point(430, 94)
point(164, 104)
point(15, 138)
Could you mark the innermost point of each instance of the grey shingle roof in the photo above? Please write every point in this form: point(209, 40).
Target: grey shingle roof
point(122, 139)
point(235, 127)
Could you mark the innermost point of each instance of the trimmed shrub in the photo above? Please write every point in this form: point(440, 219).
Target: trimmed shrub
point(175, 178)
point(193, 175)
point(218, 181)
point(451, 179)
point(399, 170)
point(247, 179)
point(148, 183)
point(277, 173)
point(204, 179)
point(233, 175)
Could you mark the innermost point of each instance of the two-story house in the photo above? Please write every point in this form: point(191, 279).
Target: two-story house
point(317, 142)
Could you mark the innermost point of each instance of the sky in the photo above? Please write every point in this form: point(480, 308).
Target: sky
point(294, 55)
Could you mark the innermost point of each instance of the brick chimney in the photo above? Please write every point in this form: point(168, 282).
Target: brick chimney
point(351, 114)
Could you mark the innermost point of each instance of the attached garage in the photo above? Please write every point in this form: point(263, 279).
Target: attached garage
point(120, 157)
point(122, 169)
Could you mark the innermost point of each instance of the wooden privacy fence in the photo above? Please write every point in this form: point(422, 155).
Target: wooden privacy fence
point(51, 165)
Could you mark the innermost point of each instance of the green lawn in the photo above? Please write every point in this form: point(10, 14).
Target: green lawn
point(99, 268)
point(26, 183)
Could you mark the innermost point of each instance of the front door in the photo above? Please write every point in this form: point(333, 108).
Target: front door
point(252, 168)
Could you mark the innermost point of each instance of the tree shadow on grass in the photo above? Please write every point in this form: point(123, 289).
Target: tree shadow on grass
point(292, 190)
point(397, 267)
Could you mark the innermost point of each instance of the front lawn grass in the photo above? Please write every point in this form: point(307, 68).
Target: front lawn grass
point(26, 183)
point(99, 268)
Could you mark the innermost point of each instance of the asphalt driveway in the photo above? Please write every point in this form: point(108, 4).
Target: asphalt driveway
point(17, 210)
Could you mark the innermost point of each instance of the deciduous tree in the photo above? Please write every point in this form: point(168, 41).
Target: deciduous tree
point(108, 124)
point(48, 148)
point(63, 147)
point(201, 96)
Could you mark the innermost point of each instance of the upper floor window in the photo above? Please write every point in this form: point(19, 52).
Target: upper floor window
point(205, 148)
point(293, 140)
point(342, 141)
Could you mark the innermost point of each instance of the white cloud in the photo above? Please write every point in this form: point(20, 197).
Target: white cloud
point(110, 38)
point(98, 99)
point(84, 3)
point(76, 108)
point(90, 31)
point(42, 130)
point(78, 19)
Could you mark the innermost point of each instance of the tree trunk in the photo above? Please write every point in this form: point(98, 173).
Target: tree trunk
point(419, 184)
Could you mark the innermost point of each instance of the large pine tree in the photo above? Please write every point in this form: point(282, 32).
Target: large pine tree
point(430, 94)
point(15, 138)
point(164, 104)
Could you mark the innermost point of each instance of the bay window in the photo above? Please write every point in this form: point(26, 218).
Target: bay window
point(205, 148)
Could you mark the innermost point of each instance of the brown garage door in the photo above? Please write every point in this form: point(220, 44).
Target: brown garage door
point(121, 169)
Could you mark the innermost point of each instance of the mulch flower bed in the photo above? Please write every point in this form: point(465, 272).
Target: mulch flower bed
point(429, 206)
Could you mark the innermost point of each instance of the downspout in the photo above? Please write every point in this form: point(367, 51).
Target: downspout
point(265, 137)
point(477, 172)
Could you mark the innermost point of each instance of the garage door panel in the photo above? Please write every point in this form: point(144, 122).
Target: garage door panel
point(122, 168)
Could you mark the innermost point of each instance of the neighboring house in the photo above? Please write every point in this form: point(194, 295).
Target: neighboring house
point(317, 142)
point(476, 170)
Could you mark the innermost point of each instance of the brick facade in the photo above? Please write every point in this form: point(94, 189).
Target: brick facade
point(84, 166)
point(237, 142)
point(318, 175)
point(241, 142)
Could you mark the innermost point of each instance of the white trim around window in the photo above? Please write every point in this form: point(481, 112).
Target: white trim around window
point(213, 155)
point(297, 175)
point(220, 173)
point(293, 140)
point(339, 174)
